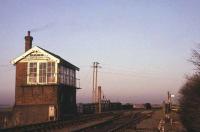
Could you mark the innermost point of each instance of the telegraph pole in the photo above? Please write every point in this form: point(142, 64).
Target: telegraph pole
point(168, 97)
point(99, 98)
point(95, 82)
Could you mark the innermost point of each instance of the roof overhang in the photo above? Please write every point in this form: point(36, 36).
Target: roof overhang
point(34, 49)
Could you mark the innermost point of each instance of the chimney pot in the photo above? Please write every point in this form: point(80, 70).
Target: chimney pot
point(28, 41)
point(29, 32)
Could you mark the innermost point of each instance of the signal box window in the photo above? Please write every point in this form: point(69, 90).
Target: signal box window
point(32, 72)
point(41, 72)
point(51, 72)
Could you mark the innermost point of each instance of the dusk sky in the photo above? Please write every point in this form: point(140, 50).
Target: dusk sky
point(142, 45)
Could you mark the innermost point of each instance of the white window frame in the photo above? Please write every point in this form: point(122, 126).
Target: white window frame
point(45, 81)
point(37, 75)
point(28, 75)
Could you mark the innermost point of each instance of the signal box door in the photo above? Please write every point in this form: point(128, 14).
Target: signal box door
point(52, 113)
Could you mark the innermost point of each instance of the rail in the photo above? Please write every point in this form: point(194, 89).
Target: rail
point(101, 120)
point(135, 119)
point(55, 124)
point(118, 123)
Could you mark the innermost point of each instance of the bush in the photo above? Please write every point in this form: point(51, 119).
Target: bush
point(190, 104)
point(147, 106)
point(190, 97)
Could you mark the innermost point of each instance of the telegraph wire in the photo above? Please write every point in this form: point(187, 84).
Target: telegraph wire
point(136, 75)
point(128, 72)
point(152, 69)
point(121, 70)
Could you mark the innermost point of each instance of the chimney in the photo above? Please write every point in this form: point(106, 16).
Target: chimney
point(28, 41)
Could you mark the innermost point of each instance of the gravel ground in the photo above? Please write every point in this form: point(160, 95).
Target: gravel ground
point(151, 124)
point(148, 125)
point(176, 124)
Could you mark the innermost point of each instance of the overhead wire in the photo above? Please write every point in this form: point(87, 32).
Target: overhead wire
point(131, 72)
point(149, 71)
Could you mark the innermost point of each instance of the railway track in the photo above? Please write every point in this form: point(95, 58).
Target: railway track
point(56, 125)
point(105, 122)
point(119, 123)
point(132, 122)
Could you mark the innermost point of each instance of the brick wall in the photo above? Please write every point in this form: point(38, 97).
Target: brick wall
point(32, 101)
point(21, 79)
point(29, 95)
point(32, 94)
point(21, 74)
point(31, 114)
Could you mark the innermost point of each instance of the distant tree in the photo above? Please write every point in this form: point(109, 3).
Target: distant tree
point(196, 59)
point(147, 106)
point(190, 98)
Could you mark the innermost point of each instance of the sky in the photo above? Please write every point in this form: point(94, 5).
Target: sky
point(143, 46)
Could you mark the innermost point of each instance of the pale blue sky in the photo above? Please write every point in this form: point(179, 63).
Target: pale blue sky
point(142, 45)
